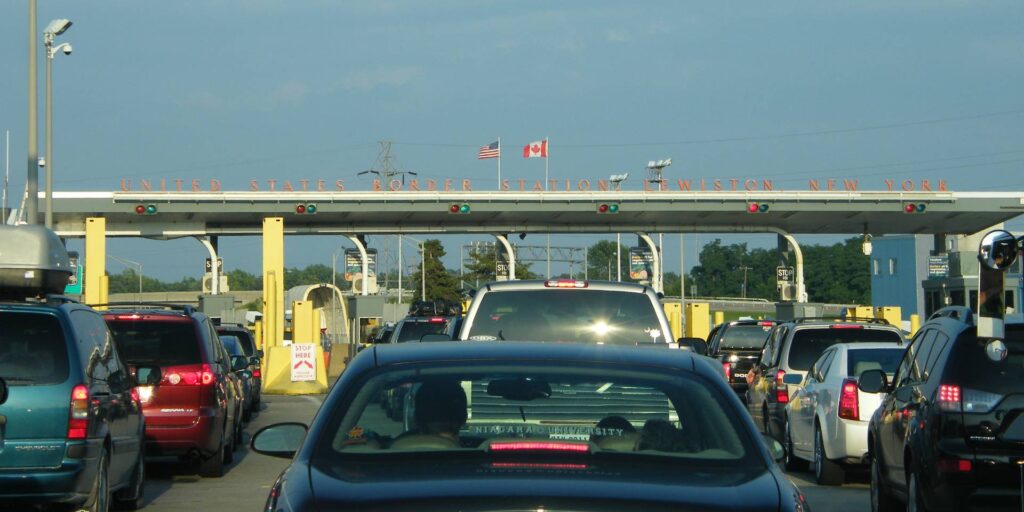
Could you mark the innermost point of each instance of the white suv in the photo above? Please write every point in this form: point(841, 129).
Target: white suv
point(827, 419)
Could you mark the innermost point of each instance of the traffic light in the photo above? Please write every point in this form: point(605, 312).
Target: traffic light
point(305, 209)
point(608, 208)
point(459, 208)
point(145, 209)
point(757, 208)
point(914, 208)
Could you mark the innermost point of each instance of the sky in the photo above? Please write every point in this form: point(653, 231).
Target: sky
point(262, 89)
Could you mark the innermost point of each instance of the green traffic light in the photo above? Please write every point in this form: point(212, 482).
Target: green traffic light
point(150, 209)
point(613, 208)
point(311, 208)
point(464, 208)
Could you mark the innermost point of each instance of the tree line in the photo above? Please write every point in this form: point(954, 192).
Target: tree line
point(837, 273)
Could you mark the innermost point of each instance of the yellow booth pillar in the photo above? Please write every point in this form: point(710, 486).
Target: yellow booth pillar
point(95, 279)
point(674, 312)
point(299, 369)
point(698, 323)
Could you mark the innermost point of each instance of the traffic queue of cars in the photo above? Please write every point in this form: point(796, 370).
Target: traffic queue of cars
point(86, 396)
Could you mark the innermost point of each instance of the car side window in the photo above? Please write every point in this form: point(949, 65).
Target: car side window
point(813, 372)
point(94, 345)
point(769, 348)
point(826, 365)
point(903, 371)
point(938, 347)
point(924, 347)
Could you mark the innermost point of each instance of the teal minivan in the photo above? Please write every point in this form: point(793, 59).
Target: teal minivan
point(71, 424)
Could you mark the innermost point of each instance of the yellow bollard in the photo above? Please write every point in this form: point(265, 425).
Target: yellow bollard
point(915, 324)
point(95, 260)
point(698, 323)
point(674, 312)
point(719, 317)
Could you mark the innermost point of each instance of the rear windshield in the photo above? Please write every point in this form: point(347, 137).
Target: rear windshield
point(164, 343)
point(596, 316)
point(475, 407)
point(32, 349)
point(860, 360)
point(231, 344)
point(413, 331)
point(744, 336)
point(973, 368)
point(808, 344)
point(244, 338)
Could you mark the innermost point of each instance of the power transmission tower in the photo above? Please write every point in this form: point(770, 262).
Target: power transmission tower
point(384, 166)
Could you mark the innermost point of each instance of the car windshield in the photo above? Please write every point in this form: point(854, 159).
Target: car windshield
point(862, 359)
point(414, 330)
point(600, 316)
point(32, 349)
point(745, 336)
point(808, 344)
point(562, 411)
point(164, 342)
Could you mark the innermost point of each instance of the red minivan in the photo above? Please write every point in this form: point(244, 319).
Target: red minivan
point(193, 411)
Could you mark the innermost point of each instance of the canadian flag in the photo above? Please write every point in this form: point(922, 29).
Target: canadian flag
point(536, 149)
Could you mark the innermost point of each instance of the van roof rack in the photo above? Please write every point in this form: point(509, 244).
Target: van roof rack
point(867, 320)
point(185, 308)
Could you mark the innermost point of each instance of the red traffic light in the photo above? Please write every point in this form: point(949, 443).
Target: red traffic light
point(757, 208)
point(140, 209)
point(608, 208)
point(300, 209)
point(914, 208)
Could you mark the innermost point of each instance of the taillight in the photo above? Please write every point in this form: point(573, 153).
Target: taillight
point(846, 326)
point(954, 465)
point(204, 377)
point(781, 388)
point(436, 320)
point(849, 403)
point(565, 283)
point(728, 371)
point(275, 493)
point(949, 397)
point(256, 373)
point(78, 418)
point(543, 446)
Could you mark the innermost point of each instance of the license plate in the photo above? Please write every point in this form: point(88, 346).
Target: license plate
point(739, 375)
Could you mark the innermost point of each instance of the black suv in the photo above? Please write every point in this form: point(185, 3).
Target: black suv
point(255, 355)
point(949, 434)
point(428, 317)
point(737, 345)
point(791, 349)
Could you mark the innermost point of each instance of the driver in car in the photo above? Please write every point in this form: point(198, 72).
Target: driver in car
point(440, 413)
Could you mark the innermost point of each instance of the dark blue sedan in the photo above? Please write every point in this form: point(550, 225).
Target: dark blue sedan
point(529, 426)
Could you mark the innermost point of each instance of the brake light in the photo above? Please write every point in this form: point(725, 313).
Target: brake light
point(728, 371)
point(766, 324)
point(781, 388)
point(204, 377)
point(436, 320)
point(847, 326)
point(949, 397)
point(128, 317)
point(849, 402)
point(256, 373)
point(542, 446)
point(565, 283)
point(78, 418)
point(954, 465)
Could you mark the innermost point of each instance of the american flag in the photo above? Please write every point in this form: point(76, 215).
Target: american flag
point(492, 150)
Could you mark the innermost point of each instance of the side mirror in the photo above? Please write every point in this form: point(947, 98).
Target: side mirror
point(435, 337)
point(279, 440)
point(775, 448)
point(697, 345)
point(3, 391)
point(872, 381)
point(239, 363)
point(255, 361)
point(148, 375)
point(792, 378)
point(246, 374)
point(998, 250)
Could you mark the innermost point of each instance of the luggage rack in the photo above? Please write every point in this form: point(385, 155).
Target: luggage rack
point(838, 319)
point(188, 310)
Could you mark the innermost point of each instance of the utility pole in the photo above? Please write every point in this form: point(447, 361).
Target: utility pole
point(745, 269)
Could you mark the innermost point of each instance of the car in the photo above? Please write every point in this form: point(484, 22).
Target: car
point(193, 411)
point(240, 367)
point(791, 348)
point(737, 345)
point(603, 312)
point(428, 318)
point(528, 426)
point(949, 432)
point(255, 355)
point(71, 424)
point(827, 418)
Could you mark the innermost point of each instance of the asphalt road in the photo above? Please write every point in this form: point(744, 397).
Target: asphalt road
point(174, 486)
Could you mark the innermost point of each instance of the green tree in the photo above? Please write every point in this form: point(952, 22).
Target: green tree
point(440, 284)
point(839, 273)
point(601, 261)
point(481, 267)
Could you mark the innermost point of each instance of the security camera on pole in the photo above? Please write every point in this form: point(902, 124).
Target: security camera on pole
point(54, 29)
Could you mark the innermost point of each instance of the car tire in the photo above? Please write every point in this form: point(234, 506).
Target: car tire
point(247, 414)
point(213, 467)
point(133, 496)
point(914, 501)
point(792, 462)
point(99, 497)
point(881, 500)
point(826, 472)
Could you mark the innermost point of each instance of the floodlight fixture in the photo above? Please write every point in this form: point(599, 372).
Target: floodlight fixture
point(651, 164)
point(57, 27)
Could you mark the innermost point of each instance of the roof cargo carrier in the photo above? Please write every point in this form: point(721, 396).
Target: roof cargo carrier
point(33, 262)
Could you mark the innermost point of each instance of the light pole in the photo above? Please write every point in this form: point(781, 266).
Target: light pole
point(423, 266)
point(32, 180)
point(655, 168)
point(126, 262)
point(54, 29)
point(617, 180)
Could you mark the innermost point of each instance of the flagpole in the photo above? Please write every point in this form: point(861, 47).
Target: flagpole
point(499, 163)
point(546, 157)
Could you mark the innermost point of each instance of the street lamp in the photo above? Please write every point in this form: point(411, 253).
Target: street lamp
point(126, 262)
point(54, 29)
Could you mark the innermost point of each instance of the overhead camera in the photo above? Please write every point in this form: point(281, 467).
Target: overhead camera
point(66, 48)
